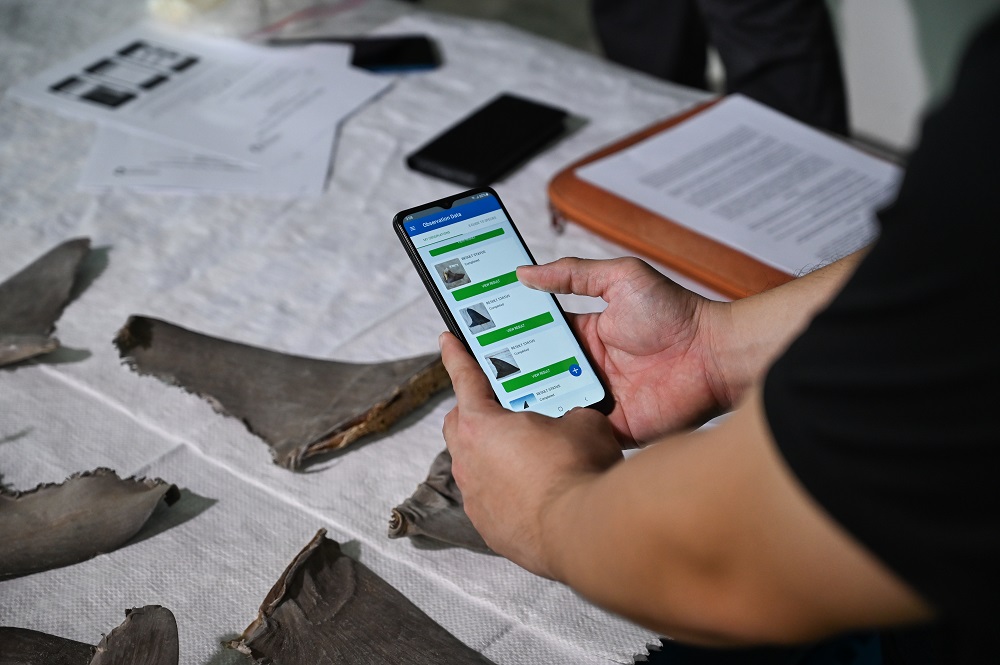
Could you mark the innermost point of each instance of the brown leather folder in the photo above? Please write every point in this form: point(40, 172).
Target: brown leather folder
point(724, 269)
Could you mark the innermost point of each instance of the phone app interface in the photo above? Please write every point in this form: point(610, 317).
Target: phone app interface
point(518, 334)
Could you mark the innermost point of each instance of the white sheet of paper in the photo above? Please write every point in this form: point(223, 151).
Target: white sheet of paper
point(757, 180)
point(252, 104)
point(120, 159)
point(123, 159)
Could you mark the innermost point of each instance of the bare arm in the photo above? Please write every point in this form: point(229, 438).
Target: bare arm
point(747, 335)
point(708, 537)
point(704, 536)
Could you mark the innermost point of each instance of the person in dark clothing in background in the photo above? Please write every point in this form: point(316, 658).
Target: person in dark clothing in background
point(782, 53)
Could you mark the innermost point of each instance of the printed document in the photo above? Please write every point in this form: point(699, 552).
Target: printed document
point(756, 180)
point(122, 159)
point(241, 102)
point(119, 159)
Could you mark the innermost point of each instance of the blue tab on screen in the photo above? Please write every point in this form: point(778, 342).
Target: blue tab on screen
point(462, 213)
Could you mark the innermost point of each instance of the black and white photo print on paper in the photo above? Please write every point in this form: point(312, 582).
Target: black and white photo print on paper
point(124, 76)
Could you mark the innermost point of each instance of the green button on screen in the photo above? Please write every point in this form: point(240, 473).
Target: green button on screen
point(480, 288)
point(437, 251)
point(515, 329)
point(539, 375)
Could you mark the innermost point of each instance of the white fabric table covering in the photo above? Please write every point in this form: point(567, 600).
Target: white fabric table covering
point(322, 277)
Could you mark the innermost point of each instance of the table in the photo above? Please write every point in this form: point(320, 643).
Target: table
point(321, 277)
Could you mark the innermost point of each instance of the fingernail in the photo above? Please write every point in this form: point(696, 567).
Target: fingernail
point(441, 340)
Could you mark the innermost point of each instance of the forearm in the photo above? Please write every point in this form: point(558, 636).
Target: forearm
point(708, 537)
point(642, 553)
point(748, 335)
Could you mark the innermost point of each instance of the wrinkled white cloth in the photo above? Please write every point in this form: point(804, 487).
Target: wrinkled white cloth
point(321, 277)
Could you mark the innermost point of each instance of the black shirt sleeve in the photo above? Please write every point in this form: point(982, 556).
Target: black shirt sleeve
point(885, 407)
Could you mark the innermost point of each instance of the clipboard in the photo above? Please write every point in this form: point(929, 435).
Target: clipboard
point(720, 267)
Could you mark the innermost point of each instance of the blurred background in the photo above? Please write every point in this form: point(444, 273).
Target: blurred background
point(898, 55)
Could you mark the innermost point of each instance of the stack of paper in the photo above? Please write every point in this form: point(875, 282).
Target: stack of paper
point(184, 112)
point(754, 179)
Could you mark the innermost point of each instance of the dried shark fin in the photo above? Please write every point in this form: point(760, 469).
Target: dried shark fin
point(22, 646)
point(33, 300)
point(88, 514)
point(148, 636)
point(327, 608)
point(300, 406)
point(15, 348)
point(436, 511)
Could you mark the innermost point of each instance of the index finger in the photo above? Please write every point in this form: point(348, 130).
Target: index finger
point(470, 382)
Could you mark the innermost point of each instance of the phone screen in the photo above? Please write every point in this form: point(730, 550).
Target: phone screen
point(468, 253)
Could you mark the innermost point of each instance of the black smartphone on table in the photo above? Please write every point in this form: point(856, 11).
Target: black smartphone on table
point(491, 141)
point(380, 53)
point(398, 53)
point(466, 249)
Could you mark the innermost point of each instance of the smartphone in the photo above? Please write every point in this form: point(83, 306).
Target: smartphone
point(466, 249)
point(490, 142)
point(381, 54)
point(395, 54)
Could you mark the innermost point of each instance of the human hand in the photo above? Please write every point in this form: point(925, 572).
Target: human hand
point(649, 343)
point(513, 468)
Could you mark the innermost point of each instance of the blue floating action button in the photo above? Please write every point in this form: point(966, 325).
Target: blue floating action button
point(575, 370)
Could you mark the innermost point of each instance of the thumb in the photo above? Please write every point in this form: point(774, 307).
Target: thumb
point(471, 386)
point(585, 277)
